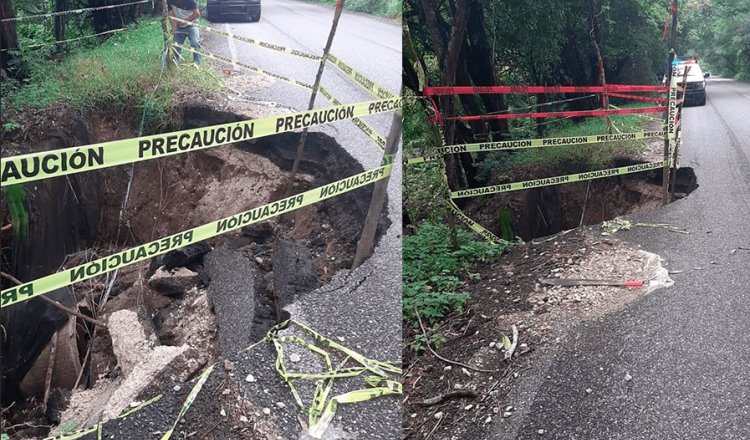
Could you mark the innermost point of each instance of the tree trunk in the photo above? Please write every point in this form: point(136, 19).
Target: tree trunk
point(8, 39)
point(60, 6)
point(481, 65)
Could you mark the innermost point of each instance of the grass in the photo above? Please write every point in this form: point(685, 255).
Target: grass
point(123, 72)
point(382, 8)
point(582, 157)
point(434, 273)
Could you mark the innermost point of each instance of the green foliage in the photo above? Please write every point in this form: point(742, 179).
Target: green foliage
point(383, 8)
point(4, 436)
point(424, 190)
point(562, 159)
point(432, 270)
point(434, 338)
point(719, 32)
point(122, 72)
point(69, 427)
point(10, 125)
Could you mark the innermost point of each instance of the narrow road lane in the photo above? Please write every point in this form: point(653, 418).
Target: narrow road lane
point(686, 347)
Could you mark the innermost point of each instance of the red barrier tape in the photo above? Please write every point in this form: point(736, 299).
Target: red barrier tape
point(637, 98)
point(473, 90)
point(568, 114)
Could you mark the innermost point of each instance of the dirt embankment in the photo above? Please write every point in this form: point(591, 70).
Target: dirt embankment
point(446, 400)
point(177, 323)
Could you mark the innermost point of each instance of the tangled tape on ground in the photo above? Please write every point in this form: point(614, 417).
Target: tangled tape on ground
point(143, 252)
point(65, 161)
point(323, 406)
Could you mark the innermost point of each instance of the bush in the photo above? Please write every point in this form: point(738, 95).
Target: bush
point(383, 8)
point(432, 270)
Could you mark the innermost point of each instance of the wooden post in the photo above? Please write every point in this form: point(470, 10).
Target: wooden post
point(311, 105)
point(676, 140)
point(365, 243)
point(168, 50)
point(672, 39)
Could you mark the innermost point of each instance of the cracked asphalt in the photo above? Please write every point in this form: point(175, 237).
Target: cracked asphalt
point(685, 347)
point(360, 308)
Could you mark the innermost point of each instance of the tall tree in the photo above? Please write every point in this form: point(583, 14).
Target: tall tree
point(8, 39)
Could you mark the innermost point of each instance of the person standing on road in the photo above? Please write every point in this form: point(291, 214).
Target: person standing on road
point(186, 10)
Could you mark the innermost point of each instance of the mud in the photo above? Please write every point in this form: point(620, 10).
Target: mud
point(86, 216)
point(545, 211)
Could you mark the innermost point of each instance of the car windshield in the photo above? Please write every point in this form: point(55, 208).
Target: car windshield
point(694, 72)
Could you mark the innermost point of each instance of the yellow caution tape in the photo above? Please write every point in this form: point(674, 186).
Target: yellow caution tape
point(99, 426)
point(189, 400)
point(367, 84)
point(276, 47)
point(323, 408)
point(362, 125)
point(533, 143)
point(474, 226)
point(143, 252)
point(41, 165)
point(557, 180)
point(247, 67)
point(72, 11)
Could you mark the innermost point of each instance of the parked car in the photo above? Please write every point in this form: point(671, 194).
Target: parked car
point(218, 10)
point(695, 89)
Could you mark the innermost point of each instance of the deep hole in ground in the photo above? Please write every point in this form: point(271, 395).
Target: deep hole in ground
point(249, 275)
point(548, 210)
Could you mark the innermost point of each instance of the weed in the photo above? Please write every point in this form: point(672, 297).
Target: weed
point(9, 126)
point(432, 271)
point(383, 8)
point(122, 72)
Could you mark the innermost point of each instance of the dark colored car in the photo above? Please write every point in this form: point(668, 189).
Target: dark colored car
point(218, 10)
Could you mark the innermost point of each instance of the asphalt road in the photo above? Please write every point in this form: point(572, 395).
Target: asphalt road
point(362, 307)
point(686, 347)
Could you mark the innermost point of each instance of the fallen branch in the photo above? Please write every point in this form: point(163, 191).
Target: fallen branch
point(429, 347)
point(514, 343)
point(50, 369)
point(54, 303)
point(447, 396)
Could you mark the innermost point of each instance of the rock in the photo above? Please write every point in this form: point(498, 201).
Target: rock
point(143, 375)
point(281, 405)
point(294, 357)
point(266, 411)
point(173, 283)
point(258, 232)
point(250, 378)
point(628, 377)
point(133, 337)
point(185, 256)
point(67, 363)
point(228, 365)
point(439, 415)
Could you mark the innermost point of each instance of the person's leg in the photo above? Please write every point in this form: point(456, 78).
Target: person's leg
point(179, 39)
point(195, 42)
